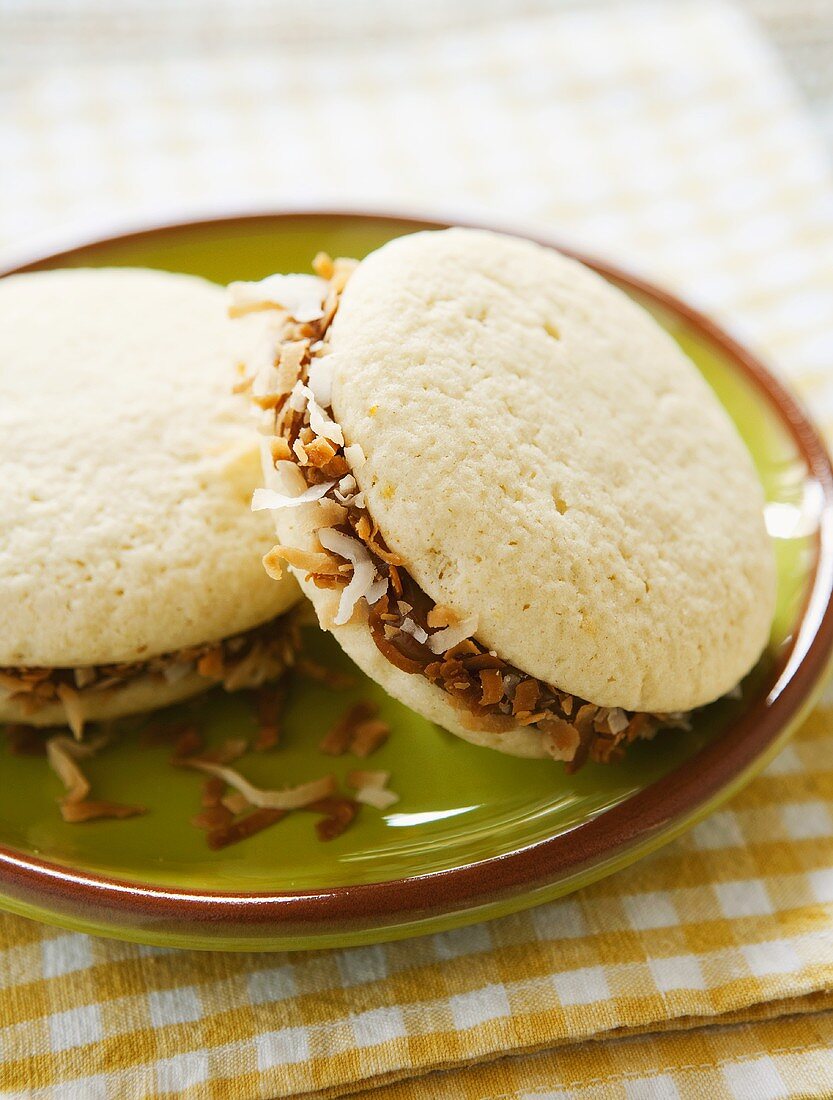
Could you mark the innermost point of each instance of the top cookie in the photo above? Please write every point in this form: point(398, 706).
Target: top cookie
point(127, 468)
point(544, 457)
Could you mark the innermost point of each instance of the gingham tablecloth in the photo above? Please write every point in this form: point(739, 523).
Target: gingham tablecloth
point(666, 137)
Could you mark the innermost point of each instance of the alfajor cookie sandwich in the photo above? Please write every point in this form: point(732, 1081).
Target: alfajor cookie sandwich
point(127, 578)
point(508, 493)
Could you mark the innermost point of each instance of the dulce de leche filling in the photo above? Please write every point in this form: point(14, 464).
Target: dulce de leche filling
point(241, 661)
point(293, 393)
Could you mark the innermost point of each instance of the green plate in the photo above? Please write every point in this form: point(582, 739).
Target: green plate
point(476, 834)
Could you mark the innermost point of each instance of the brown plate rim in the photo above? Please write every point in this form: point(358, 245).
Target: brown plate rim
point(638, 817)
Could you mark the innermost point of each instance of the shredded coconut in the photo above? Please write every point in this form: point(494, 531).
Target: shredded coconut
point(364, 571)
point(355, 456)
point(290, 798)
point(320, 379)
point(414, 629)
point(320, 423)
point(451, 636)
point(271, 499)
point(302, 296)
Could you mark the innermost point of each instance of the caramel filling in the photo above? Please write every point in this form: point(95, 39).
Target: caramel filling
point(244, 660)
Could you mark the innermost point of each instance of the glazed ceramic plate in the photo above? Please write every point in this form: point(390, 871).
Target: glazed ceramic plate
point(476, 834)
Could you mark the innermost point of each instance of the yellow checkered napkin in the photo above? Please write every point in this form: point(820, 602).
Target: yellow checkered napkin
point(664, 136)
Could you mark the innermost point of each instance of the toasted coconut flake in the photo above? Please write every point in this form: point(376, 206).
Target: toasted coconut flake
point(236, 803)
point(243, 384)
point(320, 422)
point(243, 828)
point(340, 813)
point(73, 708)
point(329, 513)
point(267, 737)
point(560, 739)
point(319, 452)
point(364, 571)
point(213, 790)
point(177, 671)
point(323, 265)
point(376, 590)
point(291, 798)
point(213, 818)
point(355, 456)
point(302, 296)
point(617, 720)
point(271, 500)
point(292, 355)
point(258, 666)
point(339, 738)
point(211, 664)
point(309, 560)
point(187, 744)
point(227, 751)
point(271, 701)
point(379, 797)
point(300, 452)
point(320, 380)
point(279, 449)
point(298, 397)
point(336, 467)
point(451, 636)
point(372, 789)
point(440, 615)
point(63, 762)
point(369, 736)
point(491, 687)
point(343, 268)
point(526, 696)
point(77, 812)
point(408, 626)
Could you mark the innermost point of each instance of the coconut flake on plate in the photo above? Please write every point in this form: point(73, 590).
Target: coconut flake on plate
point(302, 296)
point(63, 762)
point(290, 798)
point(372, 788)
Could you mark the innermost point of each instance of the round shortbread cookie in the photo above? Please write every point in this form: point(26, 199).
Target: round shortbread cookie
point(127, 468)
point(543, 456)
